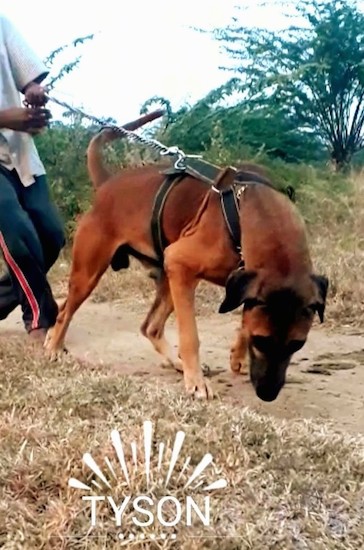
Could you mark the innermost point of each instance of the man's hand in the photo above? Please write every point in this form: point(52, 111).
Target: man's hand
point(30, 120)
point(35, 95)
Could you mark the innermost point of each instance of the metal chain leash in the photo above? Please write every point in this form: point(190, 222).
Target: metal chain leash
point(180, 163)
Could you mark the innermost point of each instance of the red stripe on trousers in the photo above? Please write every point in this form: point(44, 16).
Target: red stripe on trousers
point(22, 281)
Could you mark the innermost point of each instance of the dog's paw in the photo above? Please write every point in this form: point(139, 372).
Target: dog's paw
point(48, 339)
point(199, 388)
point(239, 365)
point(56, 355)
point(176, 364)
point(53, 352)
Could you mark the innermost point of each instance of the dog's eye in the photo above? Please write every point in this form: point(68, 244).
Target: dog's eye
point(295, 345)
point(264, 344)
point(251, 303)
point(310, 310)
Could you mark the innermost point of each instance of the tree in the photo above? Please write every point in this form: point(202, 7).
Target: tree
point(237, 128)
point(313, 72)
point(191, 126)
point(63, 148)
point(65, 68)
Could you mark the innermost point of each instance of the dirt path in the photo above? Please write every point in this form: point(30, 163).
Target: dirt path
point(326, 379)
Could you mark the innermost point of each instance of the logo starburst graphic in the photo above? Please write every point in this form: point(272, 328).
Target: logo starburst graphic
point(196, 478)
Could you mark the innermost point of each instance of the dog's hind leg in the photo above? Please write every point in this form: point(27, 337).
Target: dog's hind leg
point(153, 326)
point(90, 259)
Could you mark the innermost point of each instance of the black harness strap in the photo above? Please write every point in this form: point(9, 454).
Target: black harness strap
point(229, 199)
point(159, 240)
point(230, 210)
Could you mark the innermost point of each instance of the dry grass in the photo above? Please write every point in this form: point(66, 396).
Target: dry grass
point(291, 485)
point(336, 227)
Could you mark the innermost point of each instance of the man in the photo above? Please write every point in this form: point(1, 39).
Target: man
point(31, 233)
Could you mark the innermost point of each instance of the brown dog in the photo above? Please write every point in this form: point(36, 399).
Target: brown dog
point(278, 289)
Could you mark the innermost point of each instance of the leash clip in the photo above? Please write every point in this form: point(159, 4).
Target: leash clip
point(175, 151)
point(240, 191)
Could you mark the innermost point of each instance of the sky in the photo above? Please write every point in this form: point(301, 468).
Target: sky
point(141, 48)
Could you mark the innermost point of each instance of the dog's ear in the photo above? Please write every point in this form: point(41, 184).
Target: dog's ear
point(322, 284)
point(236, 288)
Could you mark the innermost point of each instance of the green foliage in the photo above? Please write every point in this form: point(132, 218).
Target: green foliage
point(62, 149)
point(268, 122)
point(312, 73)
point(66, 68)
point(239, 127)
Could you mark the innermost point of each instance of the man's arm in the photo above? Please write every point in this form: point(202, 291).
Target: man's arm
point(28, 70)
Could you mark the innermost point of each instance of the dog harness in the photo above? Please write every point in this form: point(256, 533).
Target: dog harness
point(228, 182)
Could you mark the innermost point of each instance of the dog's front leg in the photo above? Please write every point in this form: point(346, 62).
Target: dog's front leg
point(183, 282)
point(239, 352)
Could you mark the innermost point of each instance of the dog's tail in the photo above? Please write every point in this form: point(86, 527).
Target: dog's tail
point(98, 173)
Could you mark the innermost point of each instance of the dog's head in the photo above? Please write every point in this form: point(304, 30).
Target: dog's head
point(276, 321)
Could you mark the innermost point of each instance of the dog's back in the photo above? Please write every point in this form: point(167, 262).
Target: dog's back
point(273, 231)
